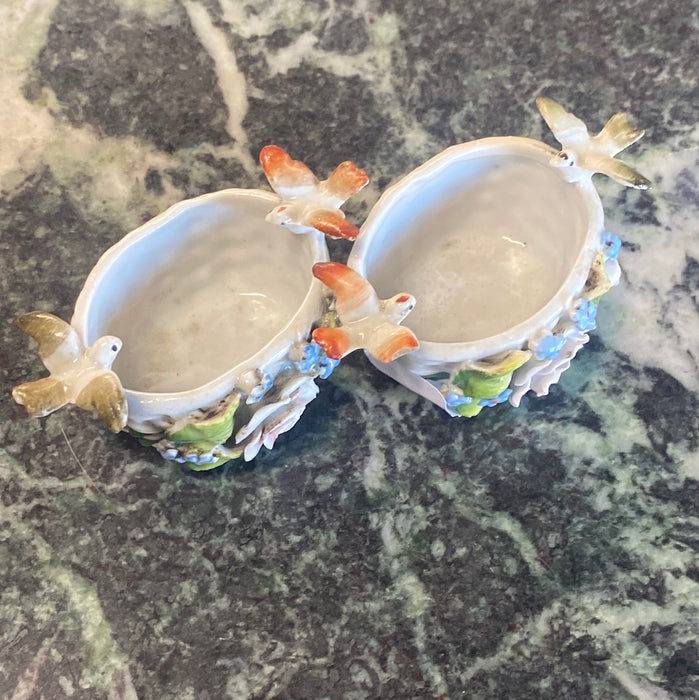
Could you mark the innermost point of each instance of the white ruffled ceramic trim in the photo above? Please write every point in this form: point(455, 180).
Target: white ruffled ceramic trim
point(270, 421)
point(540, 375)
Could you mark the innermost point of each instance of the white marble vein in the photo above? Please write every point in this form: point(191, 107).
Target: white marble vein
point(103, 176)
point(646, 317)
point(230, 80)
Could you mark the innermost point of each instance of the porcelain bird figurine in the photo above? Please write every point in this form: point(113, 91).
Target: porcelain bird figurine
point(367, 321)
point(78, 374)
point(583, 155)
point(307, 203)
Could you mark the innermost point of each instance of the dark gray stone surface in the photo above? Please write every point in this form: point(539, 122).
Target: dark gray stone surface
point(382, 549)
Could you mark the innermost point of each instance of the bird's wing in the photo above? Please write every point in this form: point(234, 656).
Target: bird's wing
point(355, 297)
point(388, 342)
point(58, 341)
point(617, 170)
point(347, 179)
point(335, 341)
point(332, 223)
point(618, 134)
point(289, 178)
point(566, 127)
point(105, 395)
point(42, 396)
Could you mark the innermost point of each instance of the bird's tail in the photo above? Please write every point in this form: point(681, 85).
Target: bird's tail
point(41, 397)
point(620, 132)
point(335, 341)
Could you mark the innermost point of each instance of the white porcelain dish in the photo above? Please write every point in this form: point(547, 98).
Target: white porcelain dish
point(202, 331)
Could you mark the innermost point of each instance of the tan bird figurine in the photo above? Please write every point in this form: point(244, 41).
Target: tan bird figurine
point(367, 321)
point(583, 155)
point(78, 374)
point(307, 203)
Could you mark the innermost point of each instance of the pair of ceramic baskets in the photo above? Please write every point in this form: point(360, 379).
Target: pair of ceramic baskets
point(227, 318)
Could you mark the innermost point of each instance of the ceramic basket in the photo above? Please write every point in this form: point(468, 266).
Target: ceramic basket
point(203, 331)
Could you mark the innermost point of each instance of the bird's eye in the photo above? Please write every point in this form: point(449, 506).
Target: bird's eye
point(114, 348)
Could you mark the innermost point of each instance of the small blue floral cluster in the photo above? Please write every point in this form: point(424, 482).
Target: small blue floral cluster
point(585, 315)
point(313, 357)
point(309, 359)
point(500, 398)
point(611, 245)
point(455, 398)
point(261, 388)
point(174, 454)
point(549, 346)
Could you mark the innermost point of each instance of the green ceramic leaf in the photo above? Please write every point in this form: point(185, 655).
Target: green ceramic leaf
point(468, 410)
point(207, 433)
point(481, 385)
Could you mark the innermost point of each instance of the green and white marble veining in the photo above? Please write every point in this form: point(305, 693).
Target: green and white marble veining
point(382, 550)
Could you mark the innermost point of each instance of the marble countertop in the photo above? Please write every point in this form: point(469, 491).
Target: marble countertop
point(382, 550)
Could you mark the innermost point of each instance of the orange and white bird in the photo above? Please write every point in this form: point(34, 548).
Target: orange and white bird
point(367, 321)
point(582, 155)
point(78, 374)
point(307, 203)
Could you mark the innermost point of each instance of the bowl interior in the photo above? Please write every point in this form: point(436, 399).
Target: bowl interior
point(483, 240)
point(199, 290)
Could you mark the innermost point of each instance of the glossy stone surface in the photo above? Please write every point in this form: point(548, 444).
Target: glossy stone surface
point(382, 550)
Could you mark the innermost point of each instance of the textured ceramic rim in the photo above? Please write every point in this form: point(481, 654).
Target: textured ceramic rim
point(144, 405)
point(441, 352)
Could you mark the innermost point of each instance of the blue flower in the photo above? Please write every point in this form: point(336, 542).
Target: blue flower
point(548, 347)
point(611, 245)
point(261, 388)
point(500, 398)
point(309, 357)
point(454, 399)
point(584, 315)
